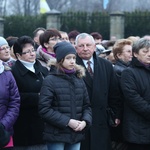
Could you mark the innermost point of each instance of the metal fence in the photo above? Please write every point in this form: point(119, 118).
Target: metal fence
point(136, 23)
point(86, 22)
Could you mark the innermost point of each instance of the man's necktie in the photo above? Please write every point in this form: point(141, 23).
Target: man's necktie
point(89, 68)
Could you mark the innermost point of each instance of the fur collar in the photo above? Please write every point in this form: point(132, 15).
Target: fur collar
point(80, 70)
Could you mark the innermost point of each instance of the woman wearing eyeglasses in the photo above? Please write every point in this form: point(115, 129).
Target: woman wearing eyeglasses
point(48, 39)
point(29, 75)
point(5, 53)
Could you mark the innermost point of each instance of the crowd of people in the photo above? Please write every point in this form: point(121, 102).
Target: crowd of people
point(74, 91)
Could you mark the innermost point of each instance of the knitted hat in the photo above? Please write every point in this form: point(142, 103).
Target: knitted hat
point(3, 41)
point(4, 136)
point(62, 49)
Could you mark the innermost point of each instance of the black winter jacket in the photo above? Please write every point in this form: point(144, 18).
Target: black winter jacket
point(135, 83)
point(28, 128)
point(119, 67)
point(63, 97)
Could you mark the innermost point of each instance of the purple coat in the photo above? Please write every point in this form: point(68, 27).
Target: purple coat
point(9, 100)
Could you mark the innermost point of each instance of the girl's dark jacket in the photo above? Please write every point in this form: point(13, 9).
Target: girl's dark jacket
point(29, 126)
point(135, 83)
point(64, 97)
point(119, 67)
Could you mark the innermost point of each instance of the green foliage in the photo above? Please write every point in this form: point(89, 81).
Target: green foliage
point(23, 25)
point(136, 23)
point(86, 22)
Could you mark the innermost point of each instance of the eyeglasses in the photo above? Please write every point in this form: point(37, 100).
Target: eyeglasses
point(55, 39)
point(29, 51)
point(5, 48)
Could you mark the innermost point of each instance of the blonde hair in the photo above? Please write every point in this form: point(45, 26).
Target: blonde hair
point(119, 45)
point(133, 38)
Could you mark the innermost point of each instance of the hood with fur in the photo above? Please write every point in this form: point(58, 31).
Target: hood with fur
point(80, 70)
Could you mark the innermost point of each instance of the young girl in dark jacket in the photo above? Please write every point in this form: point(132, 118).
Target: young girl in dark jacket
point(64, 103)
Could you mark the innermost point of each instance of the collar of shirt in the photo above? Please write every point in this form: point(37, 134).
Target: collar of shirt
point(92, 63)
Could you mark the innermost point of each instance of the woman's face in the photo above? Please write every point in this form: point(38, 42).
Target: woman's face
point(28, 53)
point(143, 56)
point(69, 61)
point(126, 54)
point(5, 53)
point(51, 43)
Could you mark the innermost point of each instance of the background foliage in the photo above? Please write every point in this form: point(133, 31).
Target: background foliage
point(136, 23)
point(23, 25)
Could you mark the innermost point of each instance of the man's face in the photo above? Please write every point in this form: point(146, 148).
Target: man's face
point(85, 48)
point(36, 38)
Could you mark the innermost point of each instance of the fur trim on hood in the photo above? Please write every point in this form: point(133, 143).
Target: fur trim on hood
point(80, 70)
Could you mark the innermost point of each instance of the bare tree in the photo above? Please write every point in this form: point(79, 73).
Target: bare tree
point(76, 5)
point(3, 7)
point(24, 7)
point(32, 7)
point(128, 5)
point(59, 4)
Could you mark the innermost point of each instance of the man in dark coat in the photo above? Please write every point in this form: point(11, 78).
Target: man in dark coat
point(102, 92)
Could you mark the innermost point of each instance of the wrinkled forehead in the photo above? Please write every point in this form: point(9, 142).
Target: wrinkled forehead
point(85, 40)
point(141, 44)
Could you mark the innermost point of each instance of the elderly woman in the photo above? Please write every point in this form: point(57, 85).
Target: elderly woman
point(122, 51)
point(9, 106)
point(5, 53)
point(29, 75)
point(135, 83)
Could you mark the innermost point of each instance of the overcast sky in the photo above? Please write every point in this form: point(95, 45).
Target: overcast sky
point(105, 3)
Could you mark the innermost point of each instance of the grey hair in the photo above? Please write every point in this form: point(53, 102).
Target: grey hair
point(82, 36)
point(139, 44)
